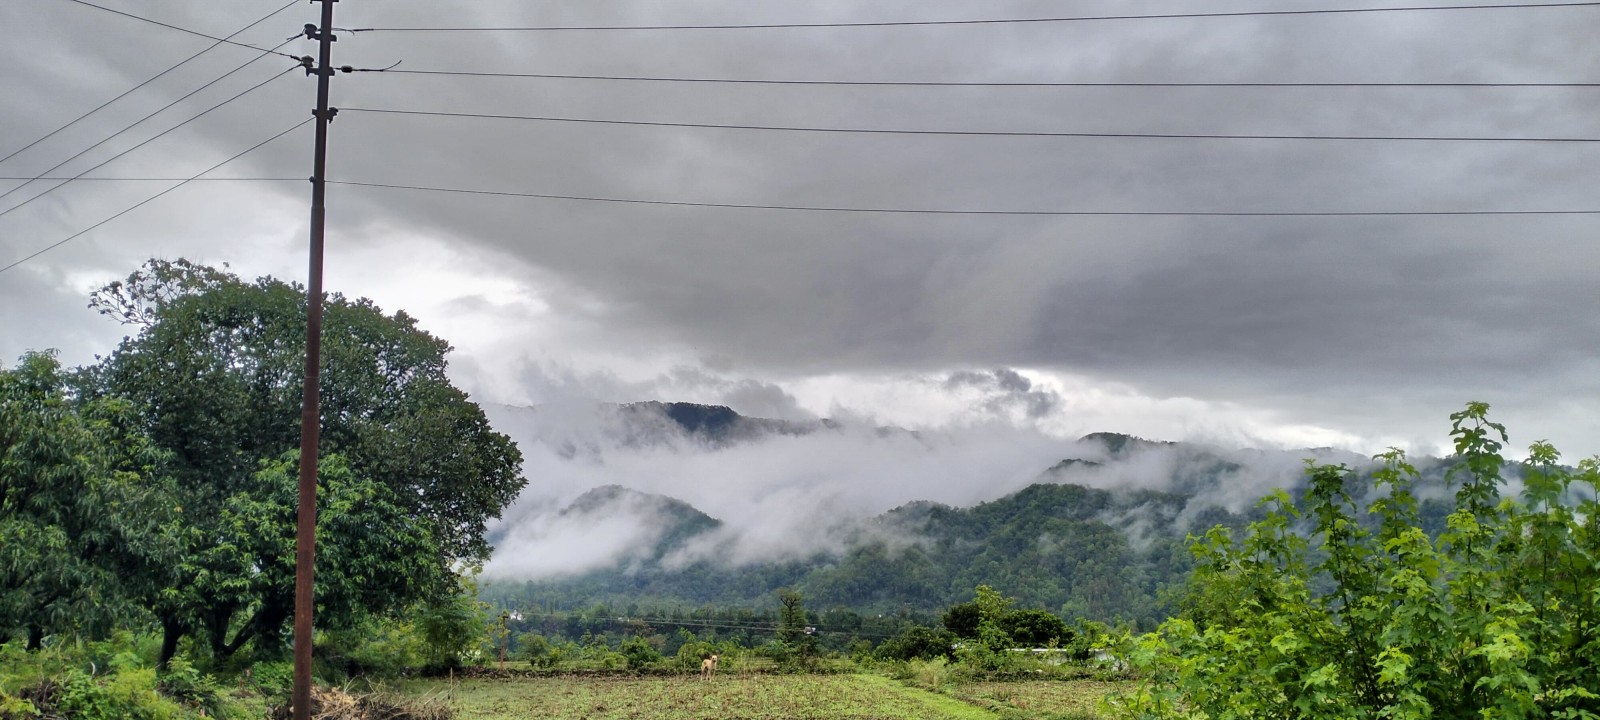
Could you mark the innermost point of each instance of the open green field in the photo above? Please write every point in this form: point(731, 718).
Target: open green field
point(730, 697)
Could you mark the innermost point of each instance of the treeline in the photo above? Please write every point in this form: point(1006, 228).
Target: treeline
point(1103, 555)
point(985, 634)
point(1051, 546)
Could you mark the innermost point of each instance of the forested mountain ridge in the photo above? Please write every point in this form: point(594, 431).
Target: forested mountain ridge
point(1102, 535)
point(1063, 546)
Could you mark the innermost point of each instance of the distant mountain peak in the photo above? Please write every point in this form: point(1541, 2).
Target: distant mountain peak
point(1119, 444)
point(1070, 463)
point(608, 497)
point(720, 424)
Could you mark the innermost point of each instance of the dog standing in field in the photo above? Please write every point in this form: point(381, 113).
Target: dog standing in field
point(708, 667)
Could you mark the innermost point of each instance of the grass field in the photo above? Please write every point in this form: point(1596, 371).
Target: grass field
point(803, 697)
point(1039, 700)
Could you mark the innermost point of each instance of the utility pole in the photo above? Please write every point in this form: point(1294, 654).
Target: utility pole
point(311, 411)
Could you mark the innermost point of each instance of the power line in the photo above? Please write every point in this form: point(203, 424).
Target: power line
point(152, 79)
point(136, 123)
point(999, 21)
point(136, 147)
point(152, 198)
point(982, 133)
point(946, 83)
point(935, 211)
point(181, 29)
point(153, 179)
point(772, 628)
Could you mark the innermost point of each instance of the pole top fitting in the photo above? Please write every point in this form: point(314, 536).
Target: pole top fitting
point(312, 32)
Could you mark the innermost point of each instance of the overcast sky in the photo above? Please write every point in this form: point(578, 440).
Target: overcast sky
point(1358, 332)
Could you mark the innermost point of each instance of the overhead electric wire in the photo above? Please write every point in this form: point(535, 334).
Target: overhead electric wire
point(982, 133)
point(154, 179)
point(136, 123)
point(939, 211)
point(182, 29)
point(699, 623)
point(152, 198)
point(1018, 83)
point(147, 141)
point(992, 21)
point(152, 79)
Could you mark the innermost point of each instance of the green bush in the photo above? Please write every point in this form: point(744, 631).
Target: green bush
point(13, 708)
point(918, 642)
point(639, 653)
point(129, 694)
point(187, 686)
point(273, 679)
point(690, 654)
point(536, 650)
point(1035, 629)
point(1496, 616)
point(381, 647)
point(453, 630)
point(932, 674)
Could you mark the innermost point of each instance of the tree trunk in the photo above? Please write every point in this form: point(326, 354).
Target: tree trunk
point(216, 628)
point(170, 635)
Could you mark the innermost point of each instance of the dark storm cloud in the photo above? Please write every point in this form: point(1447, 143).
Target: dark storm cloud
point(1009, 389)
point(1313, 317)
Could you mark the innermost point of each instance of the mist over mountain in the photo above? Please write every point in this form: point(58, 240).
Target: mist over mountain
point(687, 503)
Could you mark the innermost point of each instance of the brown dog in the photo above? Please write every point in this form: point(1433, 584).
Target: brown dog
point(708, 667)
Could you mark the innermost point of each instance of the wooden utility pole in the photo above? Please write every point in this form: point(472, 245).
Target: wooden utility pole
point(311, 411)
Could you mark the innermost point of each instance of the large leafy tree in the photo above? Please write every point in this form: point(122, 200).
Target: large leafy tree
point(215, 370)
point(84, 508)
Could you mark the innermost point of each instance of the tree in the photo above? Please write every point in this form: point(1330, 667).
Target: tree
point(1035, 629)
point(918, 642)
point(962, 619)
point(793, 630)
point(639, 653)
point(371, 558)
point(215, 372)
point(1495, 616)
point(451, 627)
point(84, 508)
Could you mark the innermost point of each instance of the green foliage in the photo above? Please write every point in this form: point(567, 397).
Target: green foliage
point(918, 642)
point(190, 688)
point(1494, 617)
point(370, 557)
point(962, 619)
point(639, 653)
point(691, 653)
point(273, 679)
point(114, 678)
point(214, 376)
point(452, 629)
point(84, 508)
point(375, 646)
point(794, 630)
point(1048, 545)
point(930, 674)
point(1035, 629)
point(13, 708)
point(537, 650)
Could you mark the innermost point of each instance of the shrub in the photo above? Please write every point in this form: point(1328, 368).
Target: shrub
point(918, 643)
point(1035, 629)
point(639, 653)
point(1496, 616)
point(188, 687)
point(931, 674)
